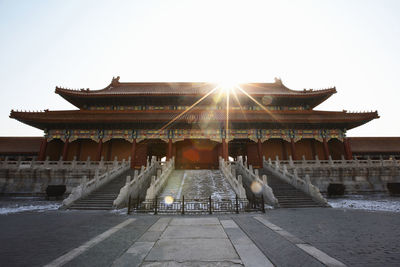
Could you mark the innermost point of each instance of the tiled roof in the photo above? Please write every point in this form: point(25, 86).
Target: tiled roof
point(375, 144)
point(193, 116)
point(20, 145)
point(187, 88)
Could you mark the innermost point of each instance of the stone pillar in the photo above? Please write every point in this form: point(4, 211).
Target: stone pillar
point(169, 149)
point(347, 149)
point(259, 150)
point(326, 148)
point(99, 149)
point(65, 149)
point(42, 152)
point(133, 153)
point(293, 149)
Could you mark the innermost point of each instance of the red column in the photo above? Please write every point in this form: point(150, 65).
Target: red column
point(227, 151)
point(169, 151)
point(293, 149)
point(347, 149)
point(326, 148)
point(133, 154)
point(65, 150)
point(42, 152)
point(224, 149)
point(259, 149)
point(99, 150)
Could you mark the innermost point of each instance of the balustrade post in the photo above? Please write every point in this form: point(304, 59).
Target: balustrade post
point(264, 179)
point(210, 203)
point(101, 163)
point(115, 163)
point(88, 161)
point(317, 160)
point(128, 179)
point(60, 162)
point(156, 206)
point(46, 162)
point(73, 165)
point(262, 204)
point(237, 204)
point(330, 161)
point(129, 205)
point(183, 205)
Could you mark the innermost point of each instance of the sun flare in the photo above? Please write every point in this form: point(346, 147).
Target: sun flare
point(227, 86)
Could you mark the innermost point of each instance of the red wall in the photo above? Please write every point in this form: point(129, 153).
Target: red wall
point(196, 154)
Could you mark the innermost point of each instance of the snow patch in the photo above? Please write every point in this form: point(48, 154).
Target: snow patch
point(373, 203)
point(40, 208)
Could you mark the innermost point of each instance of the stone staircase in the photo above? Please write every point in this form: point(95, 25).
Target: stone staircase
point(102, 198)
point(197, 184)
point(288, 196)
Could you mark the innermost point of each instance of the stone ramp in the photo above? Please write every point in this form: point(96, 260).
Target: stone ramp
point(288, 196)
point(198, 184)
point(102, 198)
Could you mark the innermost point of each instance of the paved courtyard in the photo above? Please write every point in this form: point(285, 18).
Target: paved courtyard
point(282, 237)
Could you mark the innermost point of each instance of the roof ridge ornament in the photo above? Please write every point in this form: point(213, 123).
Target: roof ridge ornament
point(278, 80)
point(115, 81)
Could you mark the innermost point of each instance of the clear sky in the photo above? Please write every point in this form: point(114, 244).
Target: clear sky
point(353, 45)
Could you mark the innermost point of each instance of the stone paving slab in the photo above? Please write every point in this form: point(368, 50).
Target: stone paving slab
point(186, 250)
point(279, 251)
point(105, 253)
point(191, 231)
point(195, 221)
point(192, 264)
point(247, 250)
point(134, 255)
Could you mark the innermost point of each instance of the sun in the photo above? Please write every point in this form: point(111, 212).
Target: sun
point(227, 86)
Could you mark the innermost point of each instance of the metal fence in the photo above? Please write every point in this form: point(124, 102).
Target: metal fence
point(195, 206)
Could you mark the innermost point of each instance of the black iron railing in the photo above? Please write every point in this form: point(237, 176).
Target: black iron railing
point(195, 206)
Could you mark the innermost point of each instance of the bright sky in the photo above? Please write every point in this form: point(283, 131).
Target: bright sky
point(353, 45)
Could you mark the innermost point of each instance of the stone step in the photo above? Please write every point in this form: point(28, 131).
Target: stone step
point(89, 202)
point(91, 208)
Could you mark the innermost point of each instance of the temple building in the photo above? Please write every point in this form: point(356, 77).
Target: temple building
point(194, 122)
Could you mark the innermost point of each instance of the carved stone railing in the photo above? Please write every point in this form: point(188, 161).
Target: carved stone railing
point(59, 164)
point(140, 182)
point(230, 175)
point(88, 187)
point(316, 163)
point(253, 177)
point(357, 176)
point(304, 185)
point(158, 182)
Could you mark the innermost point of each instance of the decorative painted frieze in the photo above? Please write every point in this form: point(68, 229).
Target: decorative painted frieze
point(181, 134)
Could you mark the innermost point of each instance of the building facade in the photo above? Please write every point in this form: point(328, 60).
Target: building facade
point(194, 122)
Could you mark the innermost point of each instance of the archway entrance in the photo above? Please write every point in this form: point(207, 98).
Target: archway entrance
point(196, 154)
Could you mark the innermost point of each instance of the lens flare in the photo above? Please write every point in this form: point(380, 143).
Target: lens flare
point(256, 187)
point(168, 200)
